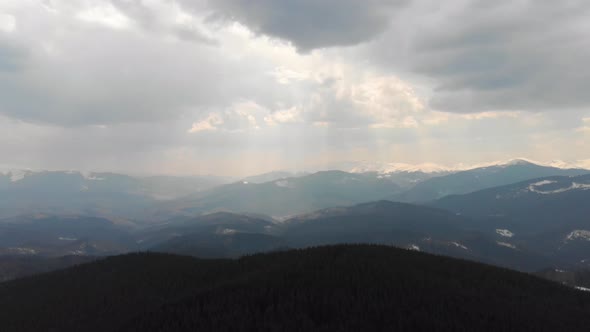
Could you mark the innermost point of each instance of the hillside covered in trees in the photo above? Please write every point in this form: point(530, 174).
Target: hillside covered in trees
point(333, 288)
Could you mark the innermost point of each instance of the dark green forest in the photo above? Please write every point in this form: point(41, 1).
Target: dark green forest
point(331, 288)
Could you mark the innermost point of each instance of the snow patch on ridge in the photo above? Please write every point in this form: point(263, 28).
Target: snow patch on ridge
point(542, 183)
point(22, 251)
point(17, 175)
point(505, 244)
point(504, 233)
point(284, 184)
point(578, 234)
point(574, 186)
point(227, 231)
point(90, 175)
point(459, 245)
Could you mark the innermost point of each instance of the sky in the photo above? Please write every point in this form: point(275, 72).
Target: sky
point(238, 87)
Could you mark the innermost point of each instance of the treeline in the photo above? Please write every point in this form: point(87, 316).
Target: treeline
point(580, 277)
point(334, 288)
point(18, 266)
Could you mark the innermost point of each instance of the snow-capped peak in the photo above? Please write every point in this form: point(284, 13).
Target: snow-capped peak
point(584, 164)
point(518, 162)
point(384, 168)
point(395, 167)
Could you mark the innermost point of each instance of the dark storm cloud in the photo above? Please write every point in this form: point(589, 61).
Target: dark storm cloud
point(310, 24)
point(479, 55)
point(505, 55)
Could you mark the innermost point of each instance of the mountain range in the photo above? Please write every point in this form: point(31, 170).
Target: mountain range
point(286, 197)
point(100, 194)
point(279, 194)
point(290, 196)
point(527, 225)
point(467, 181)
point(548, 215)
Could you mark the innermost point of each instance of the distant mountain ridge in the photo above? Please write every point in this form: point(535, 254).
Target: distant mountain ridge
point(100, 194)
point(565, 193)
point(525, 225)
point(400, 167)
point(272, 176)
point(410, 226)
point(381, 222)
point(546, 214)
point(55, 236)
point(280, 194)
point(480, 178)
point(158, 186)
point(288, 197)
point(220, 223)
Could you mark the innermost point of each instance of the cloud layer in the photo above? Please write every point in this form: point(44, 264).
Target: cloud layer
point(501, 55)
point(310, 24)
point(165, 86)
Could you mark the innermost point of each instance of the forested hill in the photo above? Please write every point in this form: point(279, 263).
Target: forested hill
point(332, 288)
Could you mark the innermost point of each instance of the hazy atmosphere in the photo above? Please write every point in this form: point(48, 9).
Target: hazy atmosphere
point(294, 165)
point(233, 87)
